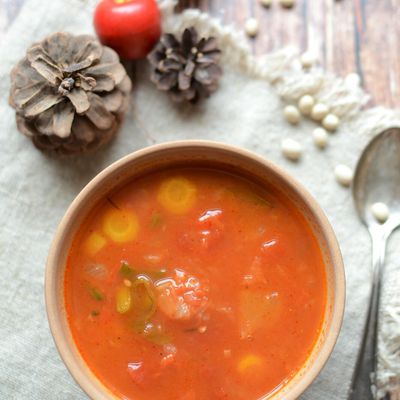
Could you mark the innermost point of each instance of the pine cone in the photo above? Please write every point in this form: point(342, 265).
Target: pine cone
point(189, 69)
point(69, 93)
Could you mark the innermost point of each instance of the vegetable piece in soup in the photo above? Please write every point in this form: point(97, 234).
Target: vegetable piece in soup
point(195, 285)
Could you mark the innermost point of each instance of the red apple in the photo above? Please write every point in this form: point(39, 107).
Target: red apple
point(130, 27)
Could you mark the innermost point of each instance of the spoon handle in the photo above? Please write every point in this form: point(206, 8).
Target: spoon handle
point(367, 358)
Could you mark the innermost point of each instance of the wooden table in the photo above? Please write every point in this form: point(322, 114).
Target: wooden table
point(360, 36)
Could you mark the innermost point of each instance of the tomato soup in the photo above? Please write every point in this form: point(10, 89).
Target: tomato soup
point(195, 284)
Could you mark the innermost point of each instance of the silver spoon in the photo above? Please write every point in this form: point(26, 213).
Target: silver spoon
point(377, 178)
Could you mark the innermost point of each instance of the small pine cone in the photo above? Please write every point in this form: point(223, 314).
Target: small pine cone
point(69, 93)
point(189, 69)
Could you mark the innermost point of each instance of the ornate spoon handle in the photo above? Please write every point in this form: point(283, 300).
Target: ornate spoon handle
point(367, 358)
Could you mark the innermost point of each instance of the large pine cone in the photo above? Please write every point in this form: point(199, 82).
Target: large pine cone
point(69, 93)
point(188, 69)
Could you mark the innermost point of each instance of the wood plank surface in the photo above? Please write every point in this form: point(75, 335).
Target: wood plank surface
point(360, 36)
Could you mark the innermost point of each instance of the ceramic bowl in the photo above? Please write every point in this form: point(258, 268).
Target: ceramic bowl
point(181, 154)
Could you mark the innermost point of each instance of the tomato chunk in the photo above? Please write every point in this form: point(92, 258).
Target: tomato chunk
point(136, 372)
point(181, 297)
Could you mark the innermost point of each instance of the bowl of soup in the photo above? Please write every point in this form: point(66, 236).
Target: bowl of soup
point(194, 270)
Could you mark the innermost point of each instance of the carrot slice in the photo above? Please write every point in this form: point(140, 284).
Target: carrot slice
point(94, 243)
point(249, 363)
point(177, 195)
point(120, 225)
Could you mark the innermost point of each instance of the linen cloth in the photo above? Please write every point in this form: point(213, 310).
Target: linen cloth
point(35, 189)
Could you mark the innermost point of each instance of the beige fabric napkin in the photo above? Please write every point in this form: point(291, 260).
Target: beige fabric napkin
point(35, 190)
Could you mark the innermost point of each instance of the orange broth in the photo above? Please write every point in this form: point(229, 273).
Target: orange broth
point(195, 285)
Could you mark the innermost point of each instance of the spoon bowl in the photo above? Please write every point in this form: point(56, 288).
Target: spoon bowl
point(377, 179)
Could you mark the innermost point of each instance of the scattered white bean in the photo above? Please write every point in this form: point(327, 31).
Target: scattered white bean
point(251, 27)
point(320, 136)
point(306, 104)
point(308, 59)
point(287, 3)
point(331, 122)
point(343, 174)
point(291, 149)
point(292, 114)
point(266, 3)
point(380, 211)
point(319, 112)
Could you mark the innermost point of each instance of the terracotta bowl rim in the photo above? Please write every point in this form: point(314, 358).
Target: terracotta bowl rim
point(85, 381)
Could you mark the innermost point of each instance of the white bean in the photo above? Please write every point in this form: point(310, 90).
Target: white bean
point(287, 3)
point(330, 122)
point(320, 136)
point(291, 149)
point(319, 111)
point(292, 114)
point(307, 59)
point(343, 174)
point(251, 27)
point(380, 211)
point(306, 104)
